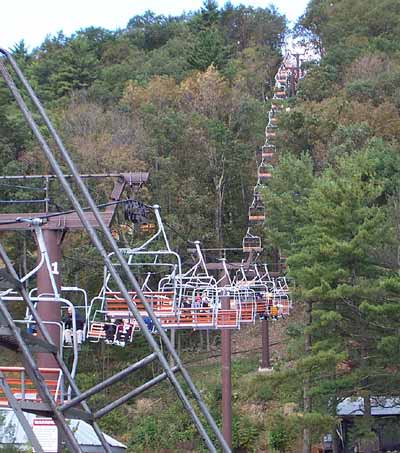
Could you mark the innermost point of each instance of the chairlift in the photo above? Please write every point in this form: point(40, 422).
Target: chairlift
point(110, 305)
point(268, 154)
point(251, 243)
point(273, 119)
point(24, 388)
point(265, 172)
point(257, 211)
point(56, 295)
point(270, 134)
point(281, 77)
point(280, 91)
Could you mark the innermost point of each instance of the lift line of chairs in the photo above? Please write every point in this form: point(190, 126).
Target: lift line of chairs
point(267, 156)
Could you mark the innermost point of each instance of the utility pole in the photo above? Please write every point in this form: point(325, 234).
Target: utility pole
point(226, 348)
point(265, 351)
point(226, 370)
point(49, 310)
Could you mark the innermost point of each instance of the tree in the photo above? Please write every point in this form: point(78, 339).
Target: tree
point(285, 198)
point(209, 48)
point(344, 278)
point(209, 12)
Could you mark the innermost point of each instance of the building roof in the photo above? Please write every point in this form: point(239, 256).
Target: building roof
point(380, 406)
point(11, 432)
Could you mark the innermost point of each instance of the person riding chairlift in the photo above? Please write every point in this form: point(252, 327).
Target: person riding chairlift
point(79, 324)
point(271, 313)
point(205, 302)
point(124, 331)
point(197, 301)
point(110, 330)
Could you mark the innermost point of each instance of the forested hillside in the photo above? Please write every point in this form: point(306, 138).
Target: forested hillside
point(186, 99)
point(182, 97)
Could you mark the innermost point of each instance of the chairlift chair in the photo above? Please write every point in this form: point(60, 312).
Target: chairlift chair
point(251, 243)
point(282, 77)
point(247, 301)
point(257, 212)
point(268, 154)
point(265, 172)
point(273, 119)
point(257, 192)
point(270, 134)
point(283, 304)
point(280, 91)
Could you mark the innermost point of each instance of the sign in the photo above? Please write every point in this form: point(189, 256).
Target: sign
point(47, 434)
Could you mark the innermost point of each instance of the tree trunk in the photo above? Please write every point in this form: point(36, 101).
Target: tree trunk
point(368, 444)
point(218, 217)
point(306, 389)
point(219, 184)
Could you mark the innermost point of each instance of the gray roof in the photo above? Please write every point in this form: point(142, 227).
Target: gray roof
point(11, 432)
point(380, 406)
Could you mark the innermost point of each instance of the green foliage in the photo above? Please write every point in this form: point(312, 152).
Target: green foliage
point(282, 431)
point(343, 243)
point(329, 24)
point(244, 433)
point(319, 83)
point(149, 432)
point(149, 31)
point(184, 97)
point(208, 49)
point(285, 199)
point(279, 440)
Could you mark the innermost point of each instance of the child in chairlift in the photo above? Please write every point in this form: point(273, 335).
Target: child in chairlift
point(124, 331)
point(186, 303)
point(197, 301)
point(274, 312)
point(68, 325)
point(110, 330)
point(205, 302)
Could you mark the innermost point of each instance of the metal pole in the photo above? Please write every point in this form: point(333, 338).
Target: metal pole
point(48, 177)
point(47, 195)
point(226, 374)
point(49, 310)
point(110, 381)
point(135, 392)
point(265, 353)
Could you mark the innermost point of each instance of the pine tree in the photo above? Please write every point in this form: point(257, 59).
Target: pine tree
point(342, 275)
